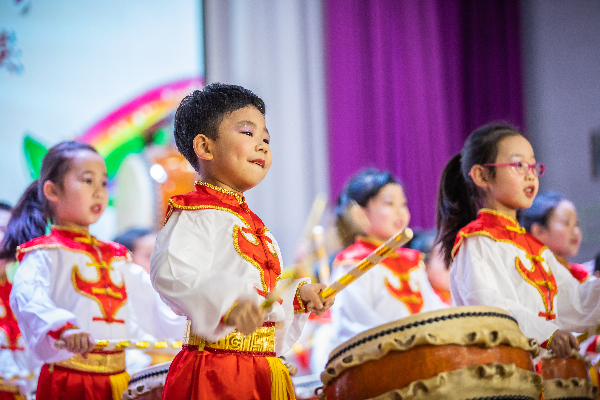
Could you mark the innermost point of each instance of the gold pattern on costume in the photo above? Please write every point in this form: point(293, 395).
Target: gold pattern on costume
point(262, 340)
point(236, 230)
point(101, 363)
point(485, 233)
point(546, 281)
point(302, 308)
point(499, 214)
point(173, 205)
point(237, 196)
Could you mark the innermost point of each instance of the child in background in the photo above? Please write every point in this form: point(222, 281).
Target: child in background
point(393, 289)
point(495, 262)
point(139, 242)
point(552, 219)
point(71, 287)
point(215, 262)
point(4, 217)
point(17, 369)
point(438, 274)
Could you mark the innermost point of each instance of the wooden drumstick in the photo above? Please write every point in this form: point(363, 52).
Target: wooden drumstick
point(161, 345)
point(369, 262)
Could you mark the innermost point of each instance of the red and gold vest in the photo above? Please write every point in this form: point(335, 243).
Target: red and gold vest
point(503, 228)
point(401, 263)
point(109, 296)
point(249, 238)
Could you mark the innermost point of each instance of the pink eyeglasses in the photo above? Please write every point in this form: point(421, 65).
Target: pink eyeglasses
point(521, 167)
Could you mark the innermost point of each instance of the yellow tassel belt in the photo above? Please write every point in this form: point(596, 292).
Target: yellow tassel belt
point(8, 388)
point(112, 362)
point(259, 343)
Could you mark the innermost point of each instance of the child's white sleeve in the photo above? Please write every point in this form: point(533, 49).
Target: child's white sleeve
point(183, 271)
point(148, 311)
point(35, 311)
point(294, 321)
point(483, 273)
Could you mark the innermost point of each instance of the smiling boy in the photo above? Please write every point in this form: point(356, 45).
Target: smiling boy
point(215, 262)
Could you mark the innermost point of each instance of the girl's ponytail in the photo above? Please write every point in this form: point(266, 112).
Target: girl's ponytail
point(28, 220)
point(455, 208)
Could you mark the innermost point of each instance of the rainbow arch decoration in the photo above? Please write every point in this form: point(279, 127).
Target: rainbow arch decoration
point(127, 129)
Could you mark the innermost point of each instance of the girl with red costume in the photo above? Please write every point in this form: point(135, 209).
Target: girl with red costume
point(71, 286)
point(393, 289)
point(552, 219)
point(494, 261)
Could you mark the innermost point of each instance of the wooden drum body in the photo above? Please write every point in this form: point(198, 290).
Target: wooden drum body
point(148, 383)
point(567, 378)
point(456, 353)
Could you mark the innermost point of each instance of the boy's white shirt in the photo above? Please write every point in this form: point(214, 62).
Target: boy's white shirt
point(367, 303)
point(44, 299)
point(483, 273)
point(198, 273)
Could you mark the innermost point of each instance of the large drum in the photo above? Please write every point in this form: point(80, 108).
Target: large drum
point(567, 378)
point(148, 383)
point(456, 353)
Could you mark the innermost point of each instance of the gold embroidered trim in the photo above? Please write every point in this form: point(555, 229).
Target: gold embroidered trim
point(100, 363)
point(520, 230)
point(89, 296)
point(60, 246)
point(228, 313)
point(549, 341)
point(8, 388)
point(237, 196)
point(80, 231)
point(237, 229)
point(535, 284)
point(485, 233)
point(499, 214)
point(302, 308)
point(173, 205)
point(262, 340)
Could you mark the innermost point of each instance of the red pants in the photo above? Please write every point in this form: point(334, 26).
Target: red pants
point(203, 375)
point(65, 383)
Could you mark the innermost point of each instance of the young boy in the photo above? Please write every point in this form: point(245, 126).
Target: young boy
point(215, 262)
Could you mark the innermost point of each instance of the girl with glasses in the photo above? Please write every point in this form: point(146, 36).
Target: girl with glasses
point(493, 260)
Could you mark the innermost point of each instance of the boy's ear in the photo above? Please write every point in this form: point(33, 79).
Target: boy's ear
point(51, 191)
point(480, 176)
point(203, 147)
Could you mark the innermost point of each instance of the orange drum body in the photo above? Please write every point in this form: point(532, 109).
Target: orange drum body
point(456, 353)
point(567, 378)
point(148, 383)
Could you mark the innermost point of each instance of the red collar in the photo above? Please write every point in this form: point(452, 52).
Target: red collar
point(403, 260)
point(75, 240)
point(501, 228)
point(207, 196)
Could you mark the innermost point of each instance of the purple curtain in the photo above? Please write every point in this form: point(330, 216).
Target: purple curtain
point(407, 81)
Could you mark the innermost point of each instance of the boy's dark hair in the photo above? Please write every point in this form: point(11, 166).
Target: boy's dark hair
point(30, 216)
point(458, 196)
point(361, 188)
point(540, 211)
point(129, 237)
point(5, 206)
point(201, 113)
